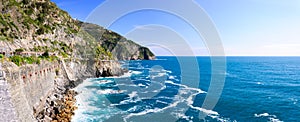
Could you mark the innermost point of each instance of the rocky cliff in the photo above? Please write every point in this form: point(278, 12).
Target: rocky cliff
point(121, 48)
point(37, 28)
point(39, 25)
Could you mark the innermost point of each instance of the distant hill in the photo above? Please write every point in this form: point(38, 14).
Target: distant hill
point(121, 47)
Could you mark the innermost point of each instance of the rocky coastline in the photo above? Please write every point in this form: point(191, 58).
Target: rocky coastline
point(60, 105)
point(45, 53)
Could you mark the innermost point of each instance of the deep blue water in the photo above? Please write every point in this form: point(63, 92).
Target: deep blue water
point(174, 89)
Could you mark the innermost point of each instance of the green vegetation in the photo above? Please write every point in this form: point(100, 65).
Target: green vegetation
point(24, 19)
point(103, 54)
point(19, 60)
point(20, 50)
point(1, 56)
point(64, 55)
point(41, 17)
point(31, 60)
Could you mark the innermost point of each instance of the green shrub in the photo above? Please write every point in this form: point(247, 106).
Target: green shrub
point(53, 58)
point(18, 60)
point(46, 54)
point(29, 11)
point(64, 55)
point(19, 50)
point(1, 56)
point(102, 53)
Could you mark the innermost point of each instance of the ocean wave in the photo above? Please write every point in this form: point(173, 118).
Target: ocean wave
point(132, 98)
point(172, 77)
point(147, 111)
point(272, 118)
point(182, 116)
point(109, 91)
point(135, 72)
point(185, 86)
point(105, 81)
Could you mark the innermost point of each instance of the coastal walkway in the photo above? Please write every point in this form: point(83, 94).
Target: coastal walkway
point(7, 112)
point(69, 76)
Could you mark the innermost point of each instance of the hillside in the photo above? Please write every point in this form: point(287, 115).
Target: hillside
point(120, 47)
point(40, 26)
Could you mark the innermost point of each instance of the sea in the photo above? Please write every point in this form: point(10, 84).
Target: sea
point(195, 89)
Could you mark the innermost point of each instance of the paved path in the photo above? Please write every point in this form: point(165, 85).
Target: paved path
point(7, 112)
point(70, 77)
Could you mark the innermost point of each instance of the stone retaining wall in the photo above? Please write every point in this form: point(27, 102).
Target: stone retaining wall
point(28, 88)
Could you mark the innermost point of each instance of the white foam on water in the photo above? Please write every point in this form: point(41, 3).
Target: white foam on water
point(133, 94)
point(83, 100)
point(161, 59)
point(272, 118)
point(208, 112)
point(141, 85)
point(132, 109)
point(190, 102)
point(171, 77)
point(182, 116)
point(105, 81)
point(133, 98)
point(136, 72)
point(158, 75)
point(109, 91)
point(127, 85)
point(259, 83)
point(294, 100)
point(185, 86)
point(86, 97)
point(264, 115)
point(168, 71)
point(177, 99)
point(158, 101)
point(147, 111)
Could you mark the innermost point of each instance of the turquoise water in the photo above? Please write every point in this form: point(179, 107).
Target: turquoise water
point(167, 89)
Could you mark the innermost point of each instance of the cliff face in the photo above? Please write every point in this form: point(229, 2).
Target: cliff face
point(33, 20)
point(39, 25)
point(121, 48)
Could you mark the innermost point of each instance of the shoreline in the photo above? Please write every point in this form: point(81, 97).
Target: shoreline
point(41, 92)
point(68, 107)
point(62, 104)
point(78, 101)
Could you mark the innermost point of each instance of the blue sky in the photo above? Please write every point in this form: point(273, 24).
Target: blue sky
point(246, 27)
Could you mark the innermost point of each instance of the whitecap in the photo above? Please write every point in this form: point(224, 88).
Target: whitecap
point(182, 116)
point(263, 115)
point(259, 83)
point(185, 86)
point(105, 81)
point(272, 118)
point(136, 72)
point(109, 91)
point(147, 111)
point(141, 85)
point(171, 77)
